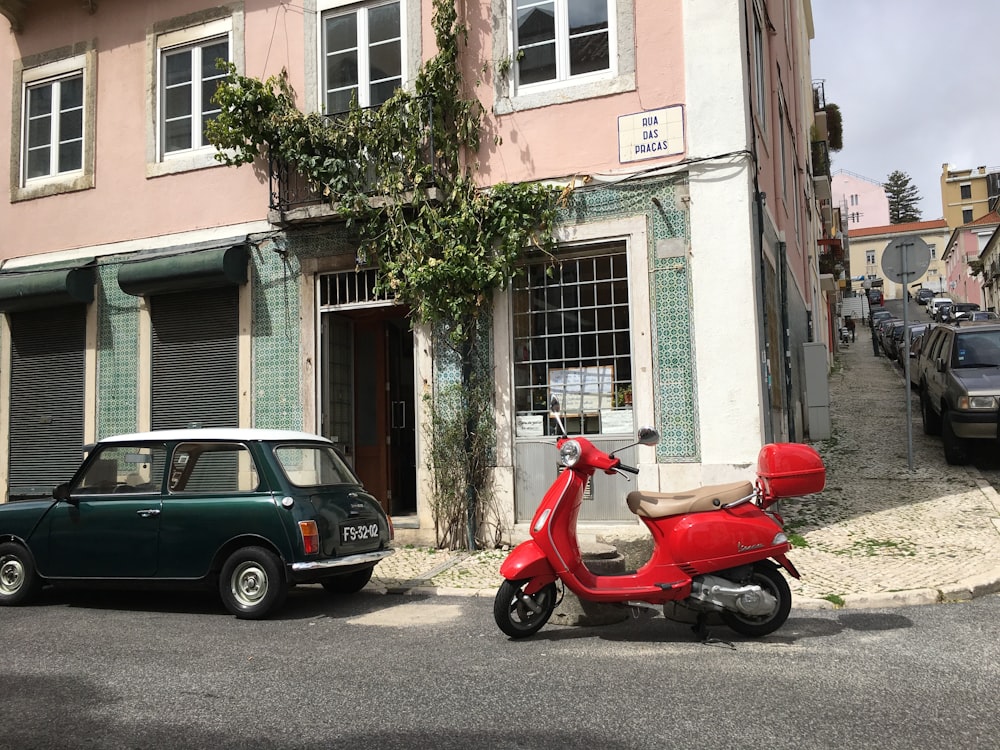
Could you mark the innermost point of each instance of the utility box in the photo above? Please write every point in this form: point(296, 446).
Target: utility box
point(814, 355)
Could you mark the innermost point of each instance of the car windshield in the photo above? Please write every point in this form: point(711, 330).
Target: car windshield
point(312, 465)
point(977, 349)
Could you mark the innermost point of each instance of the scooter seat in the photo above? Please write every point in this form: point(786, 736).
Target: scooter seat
point(661, 504)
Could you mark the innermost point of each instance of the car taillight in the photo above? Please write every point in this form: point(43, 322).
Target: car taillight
point(310, 537)
point(392, 529)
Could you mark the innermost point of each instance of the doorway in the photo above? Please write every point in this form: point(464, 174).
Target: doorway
point(367, 399)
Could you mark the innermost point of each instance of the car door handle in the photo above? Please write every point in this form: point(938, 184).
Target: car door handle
point(148, 513)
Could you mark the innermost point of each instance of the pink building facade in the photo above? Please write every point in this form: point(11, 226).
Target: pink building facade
point(863, 202)
point(190, 292)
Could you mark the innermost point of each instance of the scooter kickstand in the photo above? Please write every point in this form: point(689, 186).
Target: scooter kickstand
point(700, 629)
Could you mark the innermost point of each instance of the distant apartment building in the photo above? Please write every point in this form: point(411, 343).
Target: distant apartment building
point(963, 258)
point(862, 201)
point(968, 194)
point(144, 285)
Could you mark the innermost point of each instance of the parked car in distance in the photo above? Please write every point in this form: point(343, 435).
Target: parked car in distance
point(949, 313)
point(892, 334)
point(935, 303)
point(923, 295)
point(876, 316)
point(976, 316)
point(250, 512)
point(904, 344)
point(875, 296)
point(960, 386)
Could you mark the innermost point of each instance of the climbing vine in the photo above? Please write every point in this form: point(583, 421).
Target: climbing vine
point(401, 176)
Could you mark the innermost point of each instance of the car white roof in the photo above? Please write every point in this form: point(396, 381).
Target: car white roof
point(214, 433)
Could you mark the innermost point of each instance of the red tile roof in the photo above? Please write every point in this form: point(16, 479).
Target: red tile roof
point(908, 228)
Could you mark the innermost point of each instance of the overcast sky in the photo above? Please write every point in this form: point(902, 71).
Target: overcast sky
point(916, 83)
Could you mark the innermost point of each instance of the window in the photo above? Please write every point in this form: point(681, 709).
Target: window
point(212, 468)
point(53, 142)
point(310, 465)
point(933, 249)
point(184, 75)
point(572, 342)
point(560, 39)
point(966, 191)
point(760, 71)
point(54, 108)
point(870, 257)
point(966, 215)
point(123, 469)
point(562, 51)
point(189, 76)
point(362, 55)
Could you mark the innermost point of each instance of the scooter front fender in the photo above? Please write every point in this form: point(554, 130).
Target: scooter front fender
point(527, 561)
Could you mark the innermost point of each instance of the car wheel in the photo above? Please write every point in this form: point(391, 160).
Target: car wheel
point(19, 581)
point(348, 583)
point(770, 580)
point(931, 421)
point(954, 447)
point(252, 583)
point(518, 614)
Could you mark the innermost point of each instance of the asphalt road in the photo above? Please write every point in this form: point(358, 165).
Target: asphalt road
point(116, 670)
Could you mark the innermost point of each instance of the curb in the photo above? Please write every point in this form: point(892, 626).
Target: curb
point(962, 591)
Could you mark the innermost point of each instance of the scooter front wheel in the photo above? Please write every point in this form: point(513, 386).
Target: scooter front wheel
point(520, 615)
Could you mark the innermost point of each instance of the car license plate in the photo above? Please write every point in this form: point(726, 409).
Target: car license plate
point(358, 531)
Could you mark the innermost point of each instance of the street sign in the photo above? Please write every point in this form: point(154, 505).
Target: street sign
point(906, 258)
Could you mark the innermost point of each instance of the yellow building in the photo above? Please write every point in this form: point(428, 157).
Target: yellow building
point(966, 193)
point(867, 245)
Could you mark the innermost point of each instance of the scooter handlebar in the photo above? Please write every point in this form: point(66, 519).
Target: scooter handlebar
point(629, 469)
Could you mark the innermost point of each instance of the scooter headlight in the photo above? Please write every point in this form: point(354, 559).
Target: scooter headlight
point(569, 453)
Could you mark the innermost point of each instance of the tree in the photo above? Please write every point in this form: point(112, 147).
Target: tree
point(903, 198)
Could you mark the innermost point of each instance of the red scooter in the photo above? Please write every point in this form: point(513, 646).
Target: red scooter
point(717, 549)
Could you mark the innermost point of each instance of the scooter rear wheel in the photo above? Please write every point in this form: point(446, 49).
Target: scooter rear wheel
point(769, 578)
point(520, 615)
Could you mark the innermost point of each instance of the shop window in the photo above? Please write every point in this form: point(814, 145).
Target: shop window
point(572, 342)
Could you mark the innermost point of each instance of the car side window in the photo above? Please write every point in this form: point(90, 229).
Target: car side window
point(934, 349)
point(120, 469)
point(213, 468)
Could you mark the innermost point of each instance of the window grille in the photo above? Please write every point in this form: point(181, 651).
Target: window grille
point(572, 341)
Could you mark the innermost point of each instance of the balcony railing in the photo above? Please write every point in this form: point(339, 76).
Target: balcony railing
point(290, 190)
point(821, 159)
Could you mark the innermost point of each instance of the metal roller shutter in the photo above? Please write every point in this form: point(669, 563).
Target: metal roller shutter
point(46, 398)
point(195, 358)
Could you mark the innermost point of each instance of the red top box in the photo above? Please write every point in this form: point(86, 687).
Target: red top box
point(790, 470)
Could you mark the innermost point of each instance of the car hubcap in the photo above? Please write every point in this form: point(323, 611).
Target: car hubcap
point(249, 584)
point(11, 575)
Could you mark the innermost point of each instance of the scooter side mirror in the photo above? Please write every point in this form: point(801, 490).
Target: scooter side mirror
point(648, 436)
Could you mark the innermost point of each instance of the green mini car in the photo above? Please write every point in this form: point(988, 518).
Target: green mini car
point(251, 512)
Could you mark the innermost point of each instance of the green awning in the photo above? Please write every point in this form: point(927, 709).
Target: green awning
point(180, 269)
point(34, 288)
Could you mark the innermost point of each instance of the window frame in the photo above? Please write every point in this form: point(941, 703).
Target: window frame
point(196, 82)
point(54, 66)
point(174, 33)
point(332, 8)
point(411, 29)
point(562, 42)
point(606, 353)
point(620, 76)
